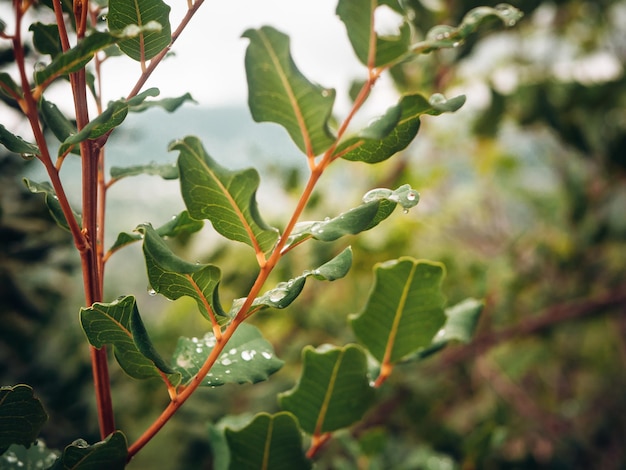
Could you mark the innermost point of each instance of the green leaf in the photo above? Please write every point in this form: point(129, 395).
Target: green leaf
point(118, 324)
point(358, 17)
point(111, 117)
point(285, 293)
point(174, 277)
point(378, 204)
point(333, 391)
point(165, 171)
point(37, 456)
point(404, 310)
point(247, 358)
point(268, 442)
point(226, 198)
point(443, 36)
point(51, 201)
point(75, 58)
point(110, 454)
point(178, 225)
point(365, 148)
point(21, 416)
point(168, 104)
point(61, 126)
point(125, 14)
point(46, 38)
point(16, 144)
point(461, 321)
point(278, 92)
point(8, 87)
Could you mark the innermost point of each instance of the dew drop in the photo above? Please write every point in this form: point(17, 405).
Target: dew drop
point(227, 371)
point(248, 355)
point(405, 211)
point(28, 156)
point(266, 355)
point(277, 295)
point(226, 362)
point(199, 349)
point(151, 291)
point(411, 196)
point(232, 351)
point(437, 99)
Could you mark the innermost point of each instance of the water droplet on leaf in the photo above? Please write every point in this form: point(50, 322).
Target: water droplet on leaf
point(151, 291)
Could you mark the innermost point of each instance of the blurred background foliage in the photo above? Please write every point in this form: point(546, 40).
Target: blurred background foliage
point(523, 199)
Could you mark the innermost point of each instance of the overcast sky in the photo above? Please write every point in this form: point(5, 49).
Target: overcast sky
point(209, 56)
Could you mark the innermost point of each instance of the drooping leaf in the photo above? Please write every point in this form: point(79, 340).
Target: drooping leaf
point(174, 277)
point(378, 204)
point(404, 309)
point(247, 358)
point(268, 442)
point(285, 293)
point(109, 454)
point(358, 16)
point(21, 416)
point(46, 38)
point(364, 148)
point(178, 225)
point(37, 456)
point(60, 125)
point(226, 198)
point(118, 324)
point(52, 202)
point(443, 36)
point(333, 390)
point(278, 92)
point(461, 320)
point(124, 14)
point(8, 87)
point(16, 144)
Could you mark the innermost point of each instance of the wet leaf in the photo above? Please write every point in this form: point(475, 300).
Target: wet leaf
point(109, 454)
point(52, 202)
point(21, 416)
point(247, 358)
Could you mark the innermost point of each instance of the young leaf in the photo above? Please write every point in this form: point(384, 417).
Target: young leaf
point(443, 36)
point(124, 14)
point(178, 225)
point(174, 277)
point(247, 358)
point(268, 442)
point(226, 198)
point(118, 324)
point(21, 416)
point(109, 454)
point(16, 144)
point(358, 16)
point(378, 204)
point(333, 391)
point(278, 92)
point(51, 201)
point(364, 148)
point(285, 293)
point(404, 309)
